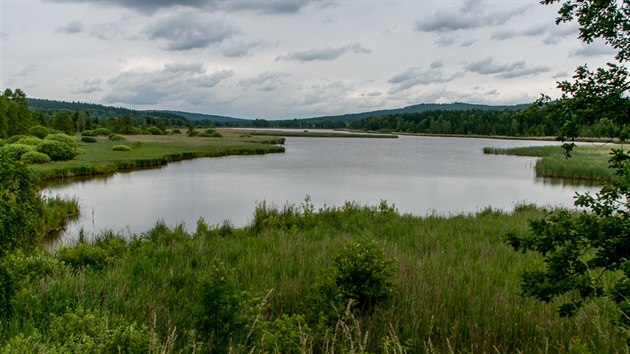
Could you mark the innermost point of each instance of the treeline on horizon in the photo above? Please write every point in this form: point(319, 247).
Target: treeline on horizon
point(16, 118)
point(522, 123)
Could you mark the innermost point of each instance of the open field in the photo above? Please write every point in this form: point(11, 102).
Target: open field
point(152, 150)
point(587, 162)
point(456, 288)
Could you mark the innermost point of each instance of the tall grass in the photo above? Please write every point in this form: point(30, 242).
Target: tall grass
point(586, 162)
point(456, 285)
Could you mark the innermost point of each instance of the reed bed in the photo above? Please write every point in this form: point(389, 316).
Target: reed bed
point(586, 162)
point(456, 285)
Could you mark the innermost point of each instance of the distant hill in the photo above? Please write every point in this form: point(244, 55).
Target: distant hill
point(110, 111)
point(211, 117)
point(418, 108)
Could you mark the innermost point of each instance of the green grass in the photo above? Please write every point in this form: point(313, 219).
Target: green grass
point(152, 150)
point(586, 162)
point(456, 284)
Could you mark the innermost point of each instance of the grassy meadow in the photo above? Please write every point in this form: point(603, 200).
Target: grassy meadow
point(587, 162)
point(455, 289)
point(153, 150)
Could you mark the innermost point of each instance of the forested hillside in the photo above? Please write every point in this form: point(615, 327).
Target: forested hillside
point(505, 122)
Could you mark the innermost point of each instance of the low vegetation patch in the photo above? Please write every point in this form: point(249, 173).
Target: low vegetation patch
point(121, 148)
point(587, 162)
point(338, 279)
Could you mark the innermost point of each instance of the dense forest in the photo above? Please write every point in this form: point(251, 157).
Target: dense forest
point(530, 122)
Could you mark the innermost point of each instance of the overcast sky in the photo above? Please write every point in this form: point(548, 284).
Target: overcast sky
point(287, 59)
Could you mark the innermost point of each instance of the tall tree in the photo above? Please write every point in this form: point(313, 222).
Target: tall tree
point(587, 254)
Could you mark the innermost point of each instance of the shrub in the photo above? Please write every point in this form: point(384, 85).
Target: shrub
point(116, 137)
point(63, 138)
point(87, 133)
point(34, 157)
point(14, 138)
point(31, 140)
point(225, 310)
point(153, 130)
point(360, 276)
point(21, 207)
point(101, 132)
point(176, 131)
point(210, 133)
point(121, 148)
point(15, 151)
point(83, 255)
point(7, 290)
point(88, 139)
point(84, 331)
point(56, 150)
point(39, 131)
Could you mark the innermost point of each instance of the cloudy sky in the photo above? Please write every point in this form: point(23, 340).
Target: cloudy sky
point(287, 59)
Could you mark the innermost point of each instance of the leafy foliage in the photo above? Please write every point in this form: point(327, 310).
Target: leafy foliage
point(587, 254)
point(34, 157)
point(121, 148)
point(57, 150)
point(20, 205)
point(360, 278)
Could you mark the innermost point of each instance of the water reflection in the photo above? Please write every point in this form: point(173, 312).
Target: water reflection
point(419, 175)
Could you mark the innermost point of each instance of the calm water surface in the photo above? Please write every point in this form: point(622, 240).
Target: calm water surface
point(419, 175)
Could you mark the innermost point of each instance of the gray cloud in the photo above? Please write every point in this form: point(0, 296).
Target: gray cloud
point(89, 86)
point(176, 81)
point(267, 81)
point(416, 76)
point(594, 49)
point(259, 7)
point(240, 49)
point(472, 15)
point(552, 34)
point(507, 71)
point(184, 31)
point(73, 27)
point(328, 53)
point(198, 68)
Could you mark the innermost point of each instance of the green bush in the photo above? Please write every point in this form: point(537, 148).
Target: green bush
point(116, 137)
point(284, 335)
point(84, 331)
point(39, 131)
point(34, 157)
point(32, 266)
point(223, 315)
point(63, 138)
point(210, 133)
point(21, 207)
point(7, 290)
point(15, 151)
point(95, 255)
point(57, 150)
point(121, 148)
point(101, 132)
point(14, 138)
point(176, 131)
point(31, 140)
point(155, 130)
point(360, 276)
point(88, 139)
point(88, 133)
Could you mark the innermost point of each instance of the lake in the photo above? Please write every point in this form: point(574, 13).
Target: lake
point(419, 175)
